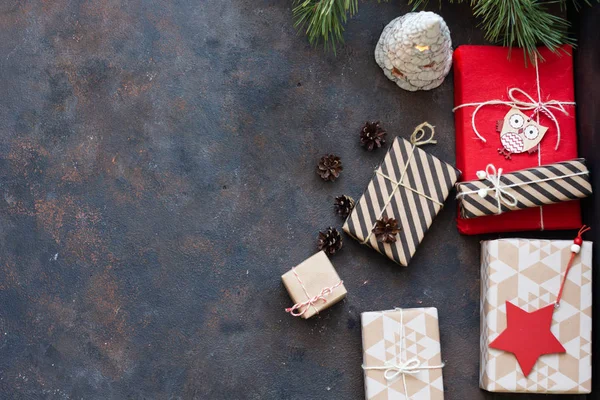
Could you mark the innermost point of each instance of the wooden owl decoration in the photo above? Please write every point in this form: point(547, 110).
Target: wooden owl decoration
point(519, 133)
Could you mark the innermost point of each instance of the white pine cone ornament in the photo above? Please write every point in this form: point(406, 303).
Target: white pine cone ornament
point(415, 51)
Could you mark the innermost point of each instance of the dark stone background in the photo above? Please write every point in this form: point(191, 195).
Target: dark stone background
point(157, 177)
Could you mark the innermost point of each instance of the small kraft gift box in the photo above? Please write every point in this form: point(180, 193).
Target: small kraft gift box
point(516, 114)
point(497, 192)
point(410, 187)
point(313, 285)
point(536, 316)
point(402, 354)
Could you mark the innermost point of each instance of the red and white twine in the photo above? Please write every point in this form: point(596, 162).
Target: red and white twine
point(305, 305)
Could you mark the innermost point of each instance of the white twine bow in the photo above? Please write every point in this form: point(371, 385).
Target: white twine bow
point(401, 368)
point(499, 190)
point(392, 370)
point(545, 107)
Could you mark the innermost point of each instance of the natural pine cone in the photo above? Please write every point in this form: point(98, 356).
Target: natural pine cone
point(386, 230)
point(372, 135)
point(330, 241)
point(329, 167)
point(343, 205)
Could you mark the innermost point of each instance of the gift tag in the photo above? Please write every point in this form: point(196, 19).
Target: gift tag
point(519, 133)
point(527, 334)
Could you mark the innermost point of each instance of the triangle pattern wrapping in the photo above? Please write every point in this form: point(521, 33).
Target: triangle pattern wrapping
point(537, 266)
point(377, 351)
point(373, 387)
point(418, 338)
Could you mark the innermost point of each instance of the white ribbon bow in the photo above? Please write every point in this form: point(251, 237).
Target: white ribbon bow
point(412, 366)
point(500, 191)
point(536, 107)
point(403, 368)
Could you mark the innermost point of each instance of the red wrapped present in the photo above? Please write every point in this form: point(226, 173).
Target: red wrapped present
point(515, 116)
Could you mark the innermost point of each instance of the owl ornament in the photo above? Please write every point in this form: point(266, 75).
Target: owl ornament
point(519, 133)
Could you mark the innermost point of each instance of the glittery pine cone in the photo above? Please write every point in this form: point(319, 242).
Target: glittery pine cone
point(386, 230)
point(329, 167)
point(372, 135)
point(343, 205)
point(330, 241)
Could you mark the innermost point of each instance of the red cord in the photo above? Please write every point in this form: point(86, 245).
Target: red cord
point(583, 230)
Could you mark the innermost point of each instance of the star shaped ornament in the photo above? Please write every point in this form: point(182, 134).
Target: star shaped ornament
point(527, 335)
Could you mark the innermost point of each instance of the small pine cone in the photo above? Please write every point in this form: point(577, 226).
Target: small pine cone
point(343, 205)
point(386, 230)
point(372, 135)
point(329, 167)
point(330, 241)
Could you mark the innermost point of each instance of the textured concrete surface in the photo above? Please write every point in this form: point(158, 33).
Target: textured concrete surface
point(156, 179)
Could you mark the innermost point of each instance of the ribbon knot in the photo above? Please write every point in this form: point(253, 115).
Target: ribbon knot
point(545, 107)
point(312, 300)
point(529, 104)
point(500, 191)
point(416, 138)
point(412, 366)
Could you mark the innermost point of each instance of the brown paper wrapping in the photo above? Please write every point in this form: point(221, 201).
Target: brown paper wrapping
point(528, 274)
point(383, 341)
point(316, 273)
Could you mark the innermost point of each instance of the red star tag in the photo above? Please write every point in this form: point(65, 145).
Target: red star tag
point(527, 335)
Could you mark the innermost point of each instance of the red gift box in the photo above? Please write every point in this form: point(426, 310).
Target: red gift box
point(485, 73)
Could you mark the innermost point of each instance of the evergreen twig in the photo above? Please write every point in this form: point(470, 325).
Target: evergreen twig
point(521, 23)
point(323, 19)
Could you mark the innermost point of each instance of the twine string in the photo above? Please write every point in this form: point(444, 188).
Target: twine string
point(500, 192)
point(529, 104)
point(311, 301)
point(396, 367)
point(583, 230)
point(516, 96)
point(417, 138)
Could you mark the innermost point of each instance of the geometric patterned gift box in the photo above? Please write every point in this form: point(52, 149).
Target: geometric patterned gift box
point(528, 274)
point(401, 354)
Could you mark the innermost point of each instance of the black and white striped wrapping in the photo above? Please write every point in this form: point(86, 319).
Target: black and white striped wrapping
point(533, 187)
point(426, 183)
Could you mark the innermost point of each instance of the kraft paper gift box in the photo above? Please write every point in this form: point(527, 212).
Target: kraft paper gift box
point(313, 285)
point(411, 186)
point(402, 340)
point(528, 274)
point(532, 187)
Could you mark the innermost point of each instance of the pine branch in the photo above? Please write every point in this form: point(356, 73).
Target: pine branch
point(323, 19)
point(420, 4)
point(522, 23)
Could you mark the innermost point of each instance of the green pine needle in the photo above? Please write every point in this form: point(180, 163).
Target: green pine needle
point(521, 23)
point(324, 19)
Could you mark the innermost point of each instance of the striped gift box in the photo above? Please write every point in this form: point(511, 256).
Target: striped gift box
point(411, 186)
point(496, 193)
